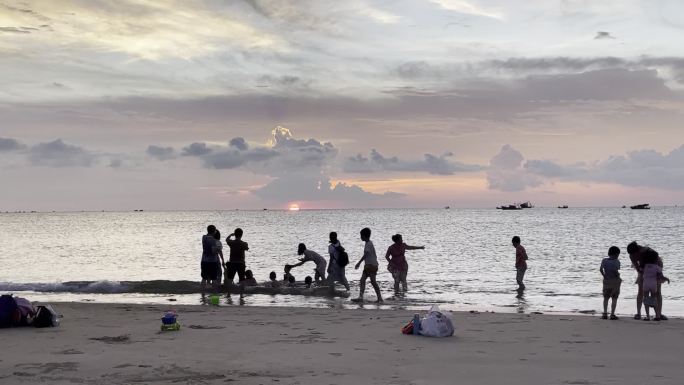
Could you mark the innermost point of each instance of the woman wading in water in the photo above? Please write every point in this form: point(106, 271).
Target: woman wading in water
point(397, 263)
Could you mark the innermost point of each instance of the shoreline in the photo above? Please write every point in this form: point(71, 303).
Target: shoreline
point(122, 344)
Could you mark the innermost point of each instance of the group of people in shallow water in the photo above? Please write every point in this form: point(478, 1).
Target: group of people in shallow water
point(646, 261)
point(328, 273)
point(649, 268)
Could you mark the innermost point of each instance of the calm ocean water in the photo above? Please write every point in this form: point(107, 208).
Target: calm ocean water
point(467, 264)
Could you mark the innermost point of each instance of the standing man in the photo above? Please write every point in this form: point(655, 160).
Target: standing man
point(520, 262)
point(236, 261)
point(210, 257)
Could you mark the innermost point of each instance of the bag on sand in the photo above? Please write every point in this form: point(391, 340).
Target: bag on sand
point(436, 324)
point(46, 317)
point(10, 315)
point(342, 257)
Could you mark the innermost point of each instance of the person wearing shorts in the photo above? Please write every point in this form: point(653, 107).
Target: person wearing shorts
point(236, 260)
point(312, 256)
point(370, 268)
point(210, 257)
point(610, 270)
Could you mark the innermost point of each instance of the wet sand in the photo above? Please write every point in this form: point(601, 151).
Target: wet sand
point(123, 344)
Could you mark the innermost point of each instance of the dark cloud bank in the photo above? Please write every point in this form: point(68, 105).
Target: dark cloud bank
point(509, 171)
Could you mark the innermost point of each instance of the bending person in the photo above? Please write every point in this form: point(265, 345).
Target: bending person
point(397, 263)
point(312, 256)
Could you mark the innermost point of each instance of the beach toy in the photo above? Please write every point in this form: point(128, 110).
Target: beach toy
point(214, 299)
point(170, 321)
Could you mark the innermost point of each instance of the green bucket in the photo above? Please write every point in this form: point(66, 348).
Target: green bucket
point(214, 300)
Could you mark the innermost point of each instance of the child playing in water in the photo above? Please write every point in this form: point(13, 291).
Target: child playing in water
point(287, 277)
point(310, 255)
point(272, 280)
point(653, 276)
point(520, 262)
point(370, 269)
point(610, 267)
point(249, 279)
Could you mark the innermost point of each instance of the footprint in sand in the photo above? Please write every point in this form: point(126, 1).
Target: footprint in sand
point(203, 327)
point(69, 351)
point(122, 339)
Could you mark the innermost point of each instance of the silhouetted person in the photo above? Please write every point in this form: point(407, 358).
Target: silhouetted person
point(636, 255)
point(610, 270)
point(236, 261)
point(652, 279)
point(520, 262)
point(312, 256)
point(210, 258)
point(370, 268)
point(221, 263)
point(336, 272)
point(397, 264)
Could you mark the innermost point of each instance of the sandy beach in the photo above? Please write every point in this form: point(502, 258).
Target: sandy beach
point(123, 344)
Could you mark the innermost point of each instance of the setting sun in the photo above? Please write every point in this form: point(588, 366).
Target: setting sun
point(294, 207)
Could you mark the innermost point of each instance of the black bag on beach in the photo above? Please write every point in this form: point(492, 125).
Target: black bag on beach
point(45, 317)
point(342, 257)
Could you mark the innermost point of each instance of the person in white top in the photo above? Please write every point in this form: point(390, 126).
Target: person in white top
point(370, 269)
point(337, 264)
point(310, 255)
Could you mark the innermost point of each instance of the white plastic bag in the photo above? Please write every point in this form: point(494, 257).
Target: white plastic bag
point(436, 324)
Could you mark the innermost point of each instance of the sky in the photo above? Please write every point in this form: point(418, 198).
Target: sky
point(250, 104)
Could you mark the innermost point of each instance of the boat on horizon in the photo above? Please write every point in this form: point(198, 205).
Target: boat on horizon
point(510, 207)
point(643, 206)
point(526, 205)
point(563, 207)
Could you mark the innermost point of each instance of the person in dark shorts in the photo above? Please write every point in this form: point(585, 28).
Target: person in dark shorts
point(370, 268)
point(210, 257)
point(610, 270)
point(236, 260)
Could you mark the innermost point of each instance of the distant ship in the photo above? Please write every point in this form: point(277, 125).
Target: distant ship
point(446, 207)
point(644, 206)
point(563, 207)
point(526, 205)
point(510, 207)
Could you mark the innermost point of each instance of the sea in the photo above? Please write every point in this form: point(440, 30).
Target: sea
point(467, 265)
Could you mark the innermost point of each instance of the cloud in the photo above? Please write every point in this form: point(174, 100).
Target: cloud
point(239, 143)
point(9, 144)
point(432, 164)
point(643, 168)
point(196, 149)
point(284, 154)
point(59, 154)
point(303, 187)
point(607, 84)
point(17, 29)
point(506, 173)
point(603, 35)
point(161, 153)
point(257, 159)
point(467, 7)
